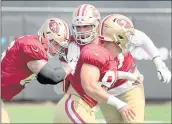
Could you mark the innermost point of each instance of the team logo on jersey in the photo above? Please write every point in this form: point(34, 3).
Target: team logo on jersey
point(54, 27)
point(124, 23)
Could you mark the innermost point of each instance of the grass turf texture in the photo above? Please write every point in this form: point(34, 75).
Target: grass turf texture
point(43, 113)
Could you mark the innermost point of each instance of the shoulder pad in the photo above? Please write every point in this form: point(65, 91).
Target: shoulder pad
point(95, 55)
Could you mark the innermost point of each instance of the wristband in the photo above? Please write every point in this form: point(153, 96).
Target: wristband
point(116, 102)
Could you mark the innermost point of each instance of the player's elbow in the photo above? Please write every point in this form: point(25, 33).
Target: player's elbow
point(36, 65)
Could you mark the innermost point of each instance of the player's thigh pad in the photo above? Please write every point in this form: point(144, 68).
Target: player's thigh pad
point(72, 109)
point(135, 98)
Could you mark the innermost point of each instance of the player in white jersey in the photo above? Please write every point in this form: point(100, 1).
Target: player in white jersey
point(140, 39)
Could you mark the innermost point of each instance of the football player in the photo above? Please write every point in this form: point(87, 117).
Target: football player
point(17, 62)
point(92, 71)
point(133, 95)
point(88, 16)
point(136, 38)
point(77, 105)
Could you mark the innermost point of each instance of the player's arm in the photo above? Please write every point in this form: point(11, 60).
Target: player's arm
point(54, 76)
point(164, 74)
point(89, 79)
point(129, 76)
point(46, 74)
point(90, 75)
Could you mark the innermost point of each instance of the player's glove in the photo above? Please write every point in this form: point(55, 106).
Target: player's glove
point(73, 55)
point(164, 75)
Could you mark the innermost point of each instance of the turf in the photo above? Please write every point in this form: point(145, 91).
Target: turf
point(43, 113)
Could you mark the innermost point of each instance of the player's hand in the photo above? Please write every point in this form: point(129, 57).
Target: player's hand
point(73, 52)
point(28, 79)
point(73, 55)
point(164, 75)
point(127, 113)
point(137, 79)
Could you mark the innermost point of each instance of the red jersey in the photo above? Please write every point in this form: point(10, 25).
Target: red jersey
point(14, 64)
point(128, 65)
point(95, 55)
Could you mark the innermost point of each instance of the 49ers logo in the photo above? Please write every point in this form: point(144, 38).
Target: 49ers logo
point(96, 14)
point(54, 27)
point(124, 23)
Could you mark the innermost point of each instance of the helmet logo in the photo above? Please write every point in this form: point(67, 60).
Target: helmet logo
point(124, 23)
point(96, 13)
point(54, 27)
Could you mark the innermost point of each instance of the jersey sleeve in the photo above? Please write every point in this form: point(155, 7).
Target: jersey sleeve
point(147, 44)
point(35, 51)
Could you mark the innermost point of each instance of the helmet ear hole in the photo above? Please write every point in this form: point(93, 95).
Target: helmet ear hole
point(120, 37)
point(43, 35)
point(118, 42)
point(114, 20)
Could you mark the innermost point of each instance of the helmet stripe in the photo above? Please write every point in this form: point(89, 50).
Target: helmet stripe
point(79, 10)
point(103, 21)
point(83, 11)
point(67, 31)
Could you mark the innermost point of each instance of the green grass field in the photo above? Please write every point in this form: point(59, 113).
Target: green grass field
point(43, 113)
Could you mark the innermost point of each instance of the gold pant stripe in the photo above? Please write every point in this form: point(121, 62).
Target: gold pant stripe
point(70, 111)
point(73, 109)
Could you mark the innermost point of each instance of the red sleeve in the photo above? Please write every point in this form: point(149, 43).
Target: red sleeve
point(35, 51)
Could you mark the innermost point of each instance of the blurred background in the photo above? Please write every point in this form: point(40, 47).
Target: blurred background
point(152, 17)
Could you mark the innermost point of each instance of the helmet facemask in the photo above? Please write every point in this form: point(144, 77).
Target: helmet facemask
point(125, 43)
point(56, 48)
point(130, 46)
point(83, 38)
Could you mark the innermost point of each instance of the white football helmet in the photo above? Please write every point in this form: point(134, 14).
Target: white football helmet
point(54, 32)
point(85, 14)
point(119, 29)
